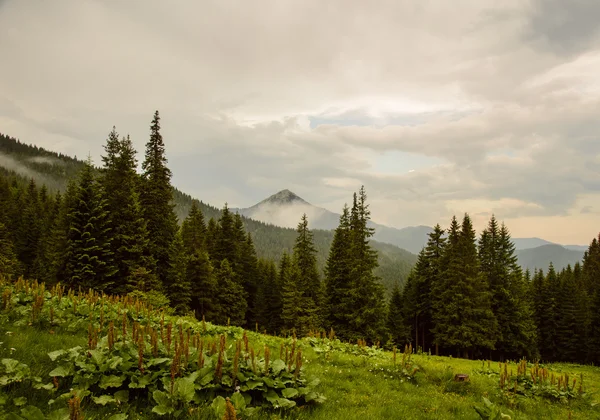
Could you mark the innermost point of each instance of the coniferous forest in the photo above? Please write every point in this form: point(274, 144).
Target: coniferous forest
point(116, 231)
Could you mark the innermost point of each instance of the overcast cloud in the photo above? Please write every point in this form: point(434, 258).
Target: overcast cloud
point(497, 104)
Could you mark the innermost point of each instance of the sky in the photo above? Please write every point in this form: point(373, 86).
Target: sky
point(437, 108)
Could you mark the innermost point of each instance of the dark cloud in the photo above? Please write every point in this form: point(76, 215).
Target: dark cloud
point(563, 27)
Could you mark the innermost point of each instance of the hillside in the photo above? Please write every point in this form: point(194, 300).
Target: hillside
point(542, 256)
point(54, 367)
point(54, 170)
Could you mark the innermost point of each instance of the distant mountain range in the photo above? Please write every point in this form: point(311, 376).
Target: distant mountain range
point(285, 209)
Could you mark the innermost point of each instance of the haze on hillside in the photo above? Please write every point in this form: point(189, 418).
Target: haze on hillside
point(438, 109)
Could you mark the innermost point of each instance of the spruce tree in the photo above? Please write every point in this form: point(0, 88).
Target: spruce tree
point(309, 282)
point(230, 295)
point(549, 327)
point(395, 322)
point(178, 286)
point(129, 244)
point(503, 275)
point(337, 279)
point(569, 335)
point(293, 306)
point(199, 270)
point(366, 307)
point(156, 195)
point(89, 257)
point(463, 318)
point(8, 259)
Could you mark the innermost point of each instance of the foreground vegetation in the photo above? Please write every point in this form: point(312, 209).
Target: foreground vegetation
point(68, 355)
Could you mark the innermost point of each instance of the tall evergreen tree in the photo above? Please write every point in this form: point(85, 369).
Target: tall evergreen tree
point(89, 258)
point(230, 295)
point(156, 195)
point(337, 279)
point(503, 275)
point(464, 320)
point(366, 299)
point(395, 321)
point(178, 286)
point(129, 243)
point(8, 258)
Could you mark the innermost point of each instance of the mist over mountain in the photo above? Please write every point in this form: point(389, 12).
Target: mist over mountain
point(285, 208)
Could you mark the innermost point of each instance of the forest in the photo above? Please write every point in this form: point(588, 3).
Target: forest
point(116, 231)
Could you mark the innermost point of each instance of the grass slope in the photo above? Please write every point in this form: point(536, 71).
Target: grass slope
point(357, 382)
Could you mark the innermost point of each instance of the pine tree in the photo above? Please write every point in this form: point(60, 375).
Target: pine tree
point(395, 321)
point(29, 232)
point(548, 329)
point(178, 285)
point(248, 274)
point(464, 320)
point(8, 259)
point(504, 278)
point(366, 308)
point(129, 244)
point(156, 195)
point(568, 334)
point(230, 295)
point(428, 277)
point(199, 271)
point(309, 283)
point(337, 279)
point(292, 311)
point(89, 258)
point(194, 231)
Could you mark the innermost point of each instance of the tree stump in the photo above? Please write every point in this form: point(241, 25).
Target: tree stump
point(461, 377)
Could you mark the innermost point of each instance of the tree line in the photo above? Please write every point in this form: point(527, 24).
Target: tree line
point(116, 230)
point(468, 297)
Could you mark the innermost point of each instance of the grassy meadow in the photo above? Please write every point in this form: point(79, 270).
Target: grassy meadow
point(67, 355)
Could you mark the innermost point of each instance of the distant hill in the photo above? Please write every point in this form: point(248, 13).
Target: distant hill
point(285, 209)
point(527, 243)
point(54, 170)
point(541, 256)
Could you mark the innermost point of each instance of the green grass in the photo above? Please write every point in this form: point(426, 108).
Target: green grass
point(356, 387)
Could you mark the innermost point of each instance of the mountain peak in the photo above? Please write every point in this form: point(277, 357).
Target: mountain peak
point(283, 197)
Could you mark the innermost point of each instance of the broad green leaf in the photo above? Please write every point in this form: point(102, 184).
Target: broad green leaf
point(218, 407)
point(62, 371)
point(238, 401)
point(253, 384)
point(277, 366)
point(3, 399)
point(158, 361)
point(122, 396)
point(226, 380)
point(140, 381)
point(61, 414)
point(104, 399)
point(271, 396)
point(164, 403)
point(49, 386)
point(19, 401)
point(114, 362)
point(184, 389)
point(32, 413)
point(206, 379)
point(56, 354)
point(111, 381)
point(289, 392)
point(97, 356)
point(10, 365)
point(284, 403)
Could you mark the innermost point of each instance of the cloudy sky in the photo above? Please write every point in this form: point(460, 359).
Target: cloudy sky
point(437, 107)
